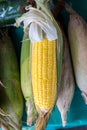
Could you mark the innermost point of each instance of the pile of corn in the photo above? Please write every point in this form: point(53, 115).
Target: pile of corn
point(45, 78)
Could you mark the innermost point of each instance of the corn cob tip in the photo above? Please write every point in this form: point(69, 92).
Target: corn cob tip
point(31, 119)
point(84, 95)
point(64, 123)
point(42, 120)
point(64, 118)
point(31, 112)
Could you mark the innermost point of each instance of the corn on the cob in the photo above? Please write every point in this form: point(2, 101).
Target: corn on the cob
point(26, 79)
point(45, 44)
point(77, 31)
point(44, 74)
point(9, 76)
point(66, 91)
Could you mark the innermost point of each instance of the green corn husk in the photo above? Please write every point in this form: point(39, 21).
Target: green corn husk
point(4, 97)
point(8, 117)
point(26, 80)
point(66, 91)
point(9, 76)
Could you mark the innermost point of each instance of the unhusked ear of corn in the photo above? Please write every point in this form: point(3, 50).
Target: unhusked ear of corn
point(77, 32)
point(67, 88)
point(26, 84)
point(9, 76)
point(46, 38)
point(44, 73)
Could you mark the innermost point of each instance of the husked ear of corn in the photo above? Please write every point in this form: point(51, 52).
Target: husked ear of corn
point(44, 74)
point(26, 84)
point(66, 91)
point(9, 76)
point(46, 38)
point(77, 32)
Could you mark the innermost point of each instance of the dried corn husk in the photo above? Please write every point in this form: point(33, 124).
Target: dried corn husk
point(77, 32)
point(66, 91)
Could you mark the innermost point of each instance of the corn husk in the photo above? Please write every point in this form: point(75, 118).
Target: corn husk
point(7, 123)
point(26, 84)
point(9, 77)
point(66, 91)
point(77, 32)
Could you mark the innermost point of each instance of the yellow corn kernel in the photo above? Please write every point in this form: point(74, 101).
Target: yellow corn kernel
point(44, 73)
